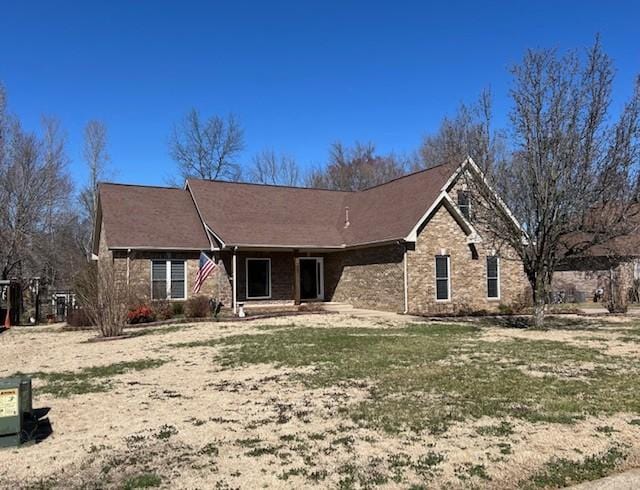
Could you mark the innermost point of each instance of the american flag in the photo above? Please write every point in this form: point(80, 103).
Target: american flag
point(206, 267)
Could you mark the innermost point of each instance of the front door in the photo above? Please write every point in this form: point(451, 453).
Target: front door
point(311, 278)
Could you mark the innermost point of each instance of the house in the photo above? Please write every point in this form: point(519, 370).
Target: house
point(591, 275)
point(408, 245)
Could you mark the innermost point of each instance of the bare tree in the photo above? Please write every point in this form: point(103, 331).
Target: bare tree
point(469, 133)
point(207, 149)
point(34, 191)
point(96, 158)
point(104, 297)
point(271, 168)
point(356, 168)
point(572, 183)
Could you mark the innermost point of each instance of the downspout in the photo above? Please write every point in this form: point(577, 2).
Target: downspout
point(234, 282)
point(128, 265)
point(406, 282)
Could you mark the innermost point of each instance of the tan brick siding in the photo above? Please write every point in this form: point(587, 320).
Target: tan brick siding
point(442, 234)
point(367, 278)
point(217, 285)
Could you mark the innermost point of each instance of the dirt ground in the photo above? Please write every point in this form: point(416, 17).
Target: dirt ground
point(192, 422)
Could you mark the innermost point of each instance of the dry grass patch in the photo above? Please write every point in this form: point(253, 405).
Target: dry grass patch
point(330, 402)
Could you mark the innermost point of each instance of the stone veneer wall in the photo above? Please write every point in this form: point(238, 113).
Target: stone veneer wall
point(367, 278)
point(443, 235)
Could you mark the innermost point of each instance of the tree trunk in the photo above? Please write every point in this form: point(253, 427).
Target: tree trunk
point(539, 299)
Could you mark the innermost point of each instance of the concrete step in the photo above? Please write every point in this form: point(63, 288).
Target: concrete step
point(335, 306)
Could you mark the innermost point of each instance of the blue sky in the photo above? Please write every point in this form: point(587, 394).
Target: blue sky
point(299, 75)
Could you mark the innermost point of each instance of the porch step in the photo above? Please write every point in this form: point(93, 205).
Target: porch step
point(336, 307)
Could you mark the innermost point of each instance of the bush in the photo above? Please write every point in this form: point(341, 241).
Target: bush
point(162, 310)
point(104, 297)
point(141, 314)
point(178, 308)
point(79, 318)
point(505, 309)
point(197, 307)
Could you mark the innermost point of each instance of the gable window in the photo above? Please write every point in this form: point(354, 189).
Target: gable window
point(168, 279)
point(443, 283)
point(493, 277)
point(258, 278)
point(464, 204)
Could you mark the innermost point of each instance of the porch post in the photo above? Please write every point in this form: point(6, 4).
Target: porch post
point(234, 274)
point(296, 280)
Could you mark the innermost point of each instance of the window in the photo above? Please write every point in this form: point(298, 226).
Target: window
point(177, 279)
point(168, 279)
point(442, 278)
point(258, 278)
point(464, 204)
point(493, 277)
point(159, 279)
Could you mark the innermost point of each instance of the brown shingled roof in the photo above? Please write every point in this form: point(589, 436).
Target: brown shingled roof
point(258, 215)
point(150, 217)
point(263, 215)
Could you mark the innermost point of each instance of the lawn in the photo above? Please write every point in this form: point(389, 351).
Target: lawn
point(331, 401)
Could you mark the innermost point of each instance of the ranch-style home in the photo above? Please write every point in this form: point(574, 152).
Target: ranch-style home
point(405, 246)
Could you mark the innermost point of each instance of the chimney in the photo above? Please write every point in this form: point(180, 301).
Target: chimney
point(346, 217)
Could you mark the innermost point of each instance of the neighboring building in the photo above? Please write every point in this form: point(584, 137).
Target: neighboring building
point(408, 245)
point(588, 277)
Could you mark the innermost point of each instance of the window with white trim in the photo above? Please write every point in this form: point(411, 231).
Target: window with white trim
point(464, 204)
point(443, 283)
point(493, 277)
point(258, 278)
point(168, 280)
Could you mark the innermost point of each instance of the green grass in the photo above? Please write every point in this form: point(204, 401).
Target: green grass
point(145, 480)
point(559, 473)
point(429, 376)
point(93, 379)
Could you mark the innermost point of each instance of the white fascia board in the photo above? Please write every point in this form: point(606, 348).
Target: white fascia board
point(413, 234)
point(209, 232)
point(216, 236)
point(456, 174)
point(168, 249)
point(480, 175)
point(472, 235)
point(443, 197)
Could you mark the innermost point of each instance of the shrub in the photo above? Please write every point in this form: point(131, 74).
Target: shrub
point(104, 298)
point(505, 309)
point(141, 314)
point(197, 307)
point(79, 318)
point(178, 308)
point(162, 310)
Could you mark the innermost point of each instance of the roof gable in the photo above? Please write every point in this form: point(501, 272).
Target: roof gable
point(150, 217)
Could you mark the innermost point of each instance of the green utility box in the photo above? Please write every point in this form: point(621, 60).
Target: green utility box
point(15, 409)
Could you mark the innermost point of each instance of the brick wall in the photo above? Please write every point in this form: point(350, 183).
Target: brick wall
point(217, 285)
point(282, 270)
point(443, 235)
point(367, 278)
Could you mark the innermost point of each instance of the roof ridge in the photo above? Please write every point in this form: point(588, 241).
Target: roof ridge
point(281, 186)
point(141, 185)
point(410, 174)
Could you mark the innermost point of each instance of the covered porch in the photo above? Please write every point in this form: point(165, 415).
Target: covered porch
point(275, 279)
